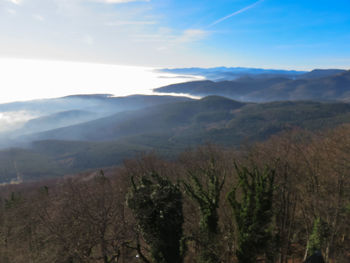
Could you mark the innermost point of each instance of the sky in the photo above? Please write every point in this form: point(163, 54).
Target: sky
point(288, 34)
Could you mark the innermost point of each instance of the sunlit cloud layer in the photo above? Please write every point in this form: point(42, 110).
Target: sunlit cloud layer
point(38, 79)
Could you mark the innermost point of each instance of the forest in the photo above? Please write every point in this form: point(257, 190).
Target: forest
point(280, 200)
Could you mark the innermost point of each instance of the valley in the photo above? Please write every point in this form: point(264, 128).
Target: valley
point(88, 132)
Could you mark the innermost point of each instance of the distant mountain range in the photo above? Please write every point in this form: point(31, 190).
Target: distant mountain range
point(234, 73)
point(49, 114)
point(77, 133)
point(320, 85)
point(167, 128)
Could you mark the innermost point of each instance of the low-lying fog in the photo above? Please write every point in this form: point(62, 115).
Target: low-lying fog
point(35, 79)
point(29, 82)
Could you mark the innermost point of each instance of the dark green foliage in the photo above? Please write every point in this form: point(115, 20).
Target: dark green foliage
point(204, 188)
point(253, 212)
point(315, 241)
point(317, 237)
point(157, 206)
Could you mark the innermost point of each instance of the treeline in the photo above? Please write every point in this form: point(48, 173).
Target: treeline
point(276, 201)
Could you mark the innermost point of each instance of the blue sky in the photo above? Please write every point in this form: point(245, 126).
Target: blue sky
point(299, 34)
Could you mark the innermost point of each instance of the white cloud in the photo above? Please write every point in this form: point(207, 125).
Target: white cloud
point(39, 17)
point(119, 1)
point(11, 120)
point(68, 78)
point(129, 34)
point(236, 13)
point(89, 40)
point(192, 35)
point(11, 11)
point(166, 35)
point(130, 23)
point(16, 2)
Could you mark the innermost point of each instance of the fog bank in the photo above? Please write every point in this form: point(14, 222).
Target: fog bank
point(23, 80)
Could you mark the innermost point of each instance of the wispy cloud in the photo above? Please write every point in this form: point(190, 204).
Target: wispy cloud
point(11, 11)
point(16, 2)
point(89, 40)
point(302, 46)
point(117, 1)
point(118, 31)
point(236, 13)
point(40, 18)
point(171, 38)
point(130, 23)
point(192, 35)
point(11, 120)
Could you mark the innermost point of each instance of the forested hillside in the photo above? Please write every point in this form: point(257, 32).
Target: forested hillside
point(167, 129)
point(274, 201)
point(316, 85)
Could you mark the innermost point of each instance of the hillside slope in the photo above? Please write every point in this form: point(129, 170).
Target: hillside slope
point(49, 114)
point(163, 118)
point(334, 87)
point(167, 129)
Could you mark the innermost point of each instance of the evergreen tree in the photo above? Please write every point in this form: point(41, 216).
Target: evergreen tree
point(253, 212)
point(157, 206)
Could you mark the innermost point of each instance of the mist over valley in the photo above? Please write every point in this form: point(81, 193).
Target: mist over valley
point(81, 132)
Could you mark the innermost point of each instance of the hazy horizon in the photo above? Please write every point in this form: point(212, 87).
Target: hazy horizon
point(54, 48)
point(31, 79)
point(25, 79)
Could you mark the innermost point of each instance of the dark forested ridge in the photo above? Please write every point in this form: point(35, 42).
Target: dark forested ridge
point(315, 85)
point(224, 73)
point(281, 200)
point(49, 114)
point(167, 128)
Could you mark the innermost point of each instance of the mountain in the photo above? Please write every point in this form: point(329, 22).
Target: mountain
point(334, 87)
point(320, 73)
point(215, 119)
point(148, 120)
point(167, 128)
point(232, 73)
point(100, 103)
point(238, 90)
point(57, 120)
point(50, 114)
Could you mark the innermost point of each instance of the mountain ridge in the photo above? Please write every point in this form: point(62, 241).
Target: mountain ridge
point(334, 87)
point(168, 129)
